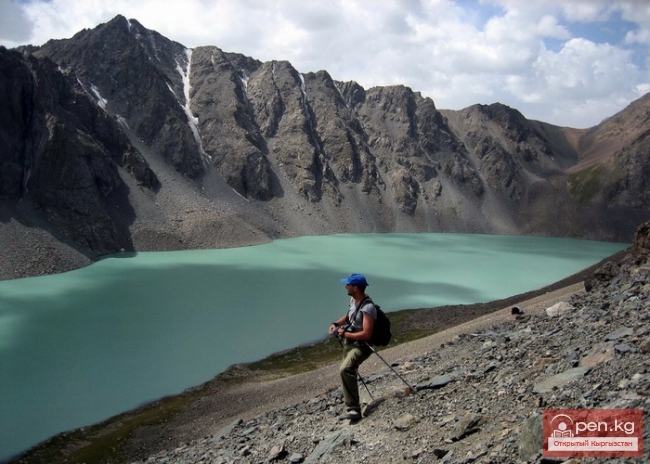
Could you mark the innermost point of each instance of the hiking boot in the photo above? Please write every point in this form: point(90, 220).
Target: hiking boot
point(352, 415)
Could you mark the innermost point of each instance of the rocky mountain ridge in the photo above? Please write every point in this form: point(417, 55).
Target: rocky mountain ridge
point(121, 139)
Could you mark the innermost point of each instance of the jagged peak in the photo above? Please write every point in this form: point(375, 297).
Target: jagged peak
point(123, 22)
point(497, 109)
point(283, 64)
point(353, 93)
point(321, 74)
point(238, 61)
point(393, 89)
point(118, 23)
point(243, 62)
point(117, 19)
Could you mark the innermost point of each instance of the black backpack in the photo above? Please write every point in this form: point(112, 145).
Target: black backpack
point(381, 331)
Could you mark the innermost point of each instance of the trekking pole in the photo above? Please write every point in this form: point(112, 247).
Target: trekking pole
point(367, 389)
point(410, 389)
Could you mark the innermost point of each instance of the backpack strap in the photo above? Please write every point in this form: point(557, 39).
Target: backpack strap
point(365, 301)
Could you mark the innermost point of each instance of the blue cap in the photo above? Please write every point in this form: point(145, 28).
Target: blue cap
point(358, 280)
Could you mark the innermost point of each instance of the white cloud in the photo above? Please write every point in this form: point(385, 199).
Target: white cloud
point(582, 82)
point(587, 10)
point(457, 52)
point(15, 27)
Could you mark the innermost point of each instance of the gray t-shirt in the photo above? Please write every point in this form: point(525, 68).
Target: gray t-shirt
point(355, 316)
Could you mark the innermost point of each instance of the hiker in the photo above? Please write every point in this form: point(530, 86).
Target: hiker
point(354, 329)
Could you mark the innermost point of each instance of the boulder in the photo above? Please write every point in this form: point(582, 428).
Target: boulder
point(559, 309)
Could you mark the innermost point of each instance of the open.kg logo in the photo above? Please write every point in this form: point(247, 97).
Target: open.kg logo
point(592, 432)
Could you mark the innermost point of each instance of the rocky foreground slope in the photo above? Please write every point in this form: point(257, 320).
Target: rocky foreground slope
point(479, 397)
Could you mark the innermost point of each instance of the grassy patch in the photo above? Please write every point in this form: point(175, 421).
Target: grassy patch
point(408, 325)
point(586, 184)
point(300, 359)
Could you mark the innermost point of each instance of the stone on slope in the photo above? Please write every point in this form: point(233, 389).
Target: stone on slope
point(561, 379)
point(405, 422)
point(603, 352)
point(530, 439)
point(469, 424)
point(325, 447)
point(437, 382)
point(559, 309)
point(619, 333)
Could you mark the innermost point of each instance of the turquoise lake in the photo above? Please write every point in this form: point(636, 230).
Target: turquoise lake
point(79, 347)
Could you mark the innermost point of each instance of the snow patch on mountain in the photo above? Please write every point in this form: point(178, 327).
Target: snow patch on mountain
point(192, 120)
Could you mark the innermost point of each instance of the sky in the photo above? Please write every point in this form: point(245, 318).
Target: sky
point(566, 62)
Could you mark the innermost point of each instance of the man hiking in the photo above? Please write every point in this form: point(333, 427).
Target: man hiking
point(354, 329)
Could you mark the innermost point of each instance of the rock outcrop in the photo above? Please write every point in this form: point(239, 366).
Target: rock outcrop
point(62, 156)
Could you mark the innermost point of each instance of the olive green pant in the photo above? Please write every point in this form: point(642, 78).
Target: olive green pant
point(354, 353)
